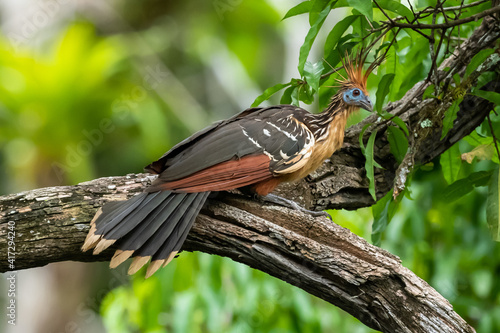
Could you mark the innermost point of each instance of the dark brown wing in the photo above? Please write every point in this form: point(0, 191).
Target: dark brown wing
point(163, 162)
point(249, 148)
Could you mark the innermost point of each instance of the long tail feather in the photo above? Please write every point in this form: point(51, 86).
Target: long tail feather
point(172, 245)
point(178, 236)
point(148, 226)
point(163, 234)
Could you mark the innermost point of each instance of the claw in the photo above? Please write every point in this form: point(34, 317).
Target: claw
point(325, 214)
point(320, 213)
point(272, 198)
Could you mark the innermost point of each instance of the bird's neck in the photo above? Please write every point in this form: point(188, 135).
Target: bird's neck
point(332, 120)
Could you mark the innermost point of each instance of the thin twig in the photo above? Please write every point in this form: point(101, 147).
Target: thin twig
point(393, 24)
point(382, 57)
point(462, 6)
point(450, 37)
point(440, 6)
point(493, 135)
point(448, 41)
point(421, 33)
point(413, 12)
point(445, 25)
point(383, 11)
point(379, 37)
point(434, 62)
point(333, 71)
point(431, 46)
point(445, 9)
point(456, 17)
point(367, 20)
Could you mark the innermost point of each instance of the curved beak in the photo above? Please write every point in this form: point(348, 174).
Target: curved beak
point(366, 103)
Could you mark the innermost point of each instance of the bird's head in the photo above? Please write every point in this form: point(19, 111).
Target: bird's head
point(357, 97)
point(353, 88)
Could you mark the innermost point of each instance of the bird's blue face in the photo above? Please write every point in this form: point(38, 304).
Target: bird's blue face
point(356, 97)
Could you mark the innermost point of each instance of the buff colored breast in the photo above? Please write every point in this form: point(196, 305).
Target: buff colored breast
point(323, 148)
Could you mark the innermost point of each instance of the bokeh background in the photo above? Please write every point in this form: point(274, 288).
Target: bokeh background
point(100, 88)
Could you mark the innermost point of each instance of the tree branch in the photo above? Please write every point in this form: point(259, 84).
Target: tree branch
point(314, 254)
point(428, 10)
point(444, 25)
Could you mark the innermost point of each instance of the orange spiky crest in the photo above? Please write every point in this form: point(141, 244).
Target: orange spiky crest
point(354, 69)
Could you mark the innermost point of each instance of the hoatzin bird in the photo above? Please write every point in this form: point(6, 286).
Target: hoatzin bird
point(255, 150)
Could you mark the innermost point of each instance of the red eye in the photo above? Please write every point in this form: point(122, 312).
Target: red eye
point(356, 92)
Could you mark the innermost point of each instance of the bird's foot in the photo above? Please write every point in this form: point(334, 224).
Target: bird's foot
point(276, 199)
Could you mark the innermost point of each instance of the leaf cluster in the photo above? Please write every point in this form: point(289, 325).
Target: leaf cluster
point(413, 41)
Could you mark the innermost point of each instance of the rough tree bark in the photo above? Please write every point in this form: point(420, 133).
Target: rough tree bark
point(314, 254)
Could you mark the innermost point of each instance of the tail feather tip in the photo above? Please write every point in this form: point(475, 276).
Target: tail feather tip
point(170, 257)
point(103, 245)
point(153, 267)
point(137, 264)
point(119, 257)
point(90, 242)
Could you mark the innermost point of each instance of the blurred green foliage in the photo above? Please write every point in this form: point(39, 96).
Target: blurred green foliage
point(203, 293)
point(98, 101)
point(46, 101)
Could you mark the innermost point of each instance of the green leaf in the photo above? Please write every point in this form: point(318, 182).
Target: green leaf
point(463, 186)
point(403, 43)
point(362, 144)
point(287, 96)
point(312, 74)
point(360, 28)
point(491, 96)
point(395, 119)
point(383, 90)
point(363, 6)
point(337, 32)
point(451, 162)
point(311, 36)
point(475, 139)
point(316, 8)
point(398, 121)
point(370, 163)
point(398, 143)
point(361, 135)
point(429, 91)
point(383, 212)
point(493, 206)
point(450, 116)
point(301, 8)
point(477, 60)
point(306, 93)
point(483, 79)
point(396, 7)
point(295, 96)
point(392, 62)
point(269, 92)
